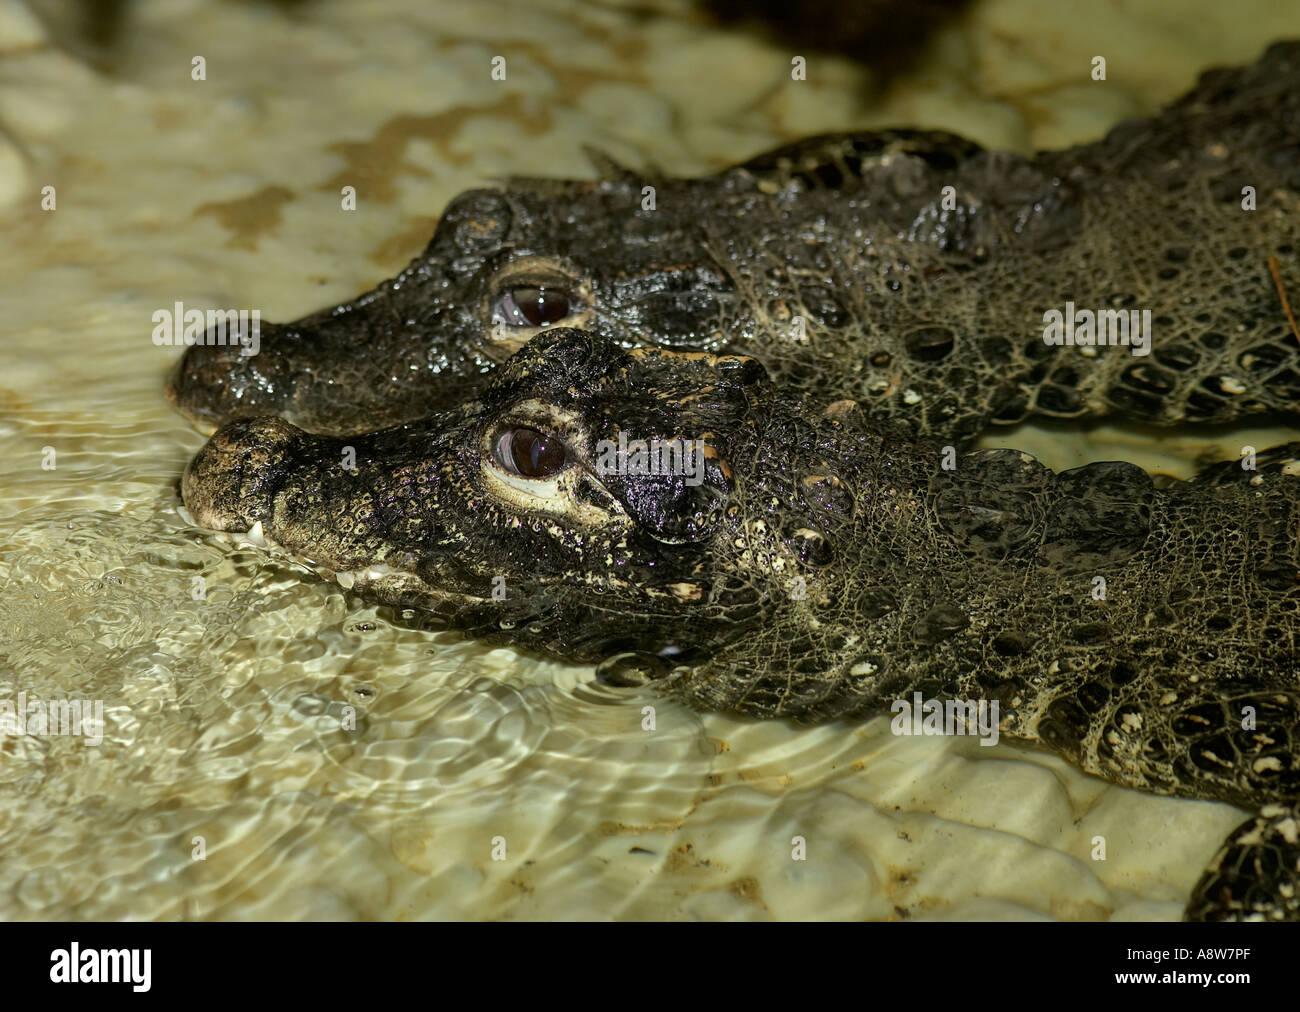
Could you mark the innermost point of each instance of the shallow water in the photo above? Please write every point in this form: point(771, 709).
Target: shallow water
point(476, 783)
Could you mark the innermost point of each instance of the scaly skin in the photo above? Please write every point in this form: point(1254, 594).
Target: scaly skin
point(923, 304)
point(825, 566)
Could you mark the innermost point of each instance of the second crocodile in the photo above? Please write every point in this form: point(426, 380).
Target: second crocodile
point(910, 271)
point(814, 563)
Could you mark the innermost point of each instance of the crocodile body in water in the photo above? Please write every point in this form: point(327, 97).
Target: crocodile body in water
point(910, 271)
point(820, 563)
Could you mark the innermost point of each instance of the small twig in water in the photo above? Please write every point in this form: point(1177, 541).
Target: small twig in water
point(1286, 306)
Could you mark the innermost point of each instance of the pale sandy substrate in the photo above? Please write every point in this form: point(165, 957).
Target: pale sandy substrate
point(223, 713)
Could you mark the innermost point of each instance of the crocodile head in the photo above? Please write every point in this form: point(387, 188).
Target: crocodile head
point(786, 257)
point(522, 515)
point(787, 560)
point(911, 271)
point(502, 266)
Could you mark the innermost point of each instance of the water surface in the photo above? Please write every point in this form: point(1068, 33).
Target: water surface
point(477, 783)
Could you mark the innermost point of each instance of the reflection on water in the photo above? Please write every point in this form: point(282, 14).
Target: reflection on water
point(275, 749)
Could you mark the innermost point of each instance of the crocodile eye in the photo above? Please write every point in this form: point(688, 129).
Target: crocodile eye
point(531, 454)
point(532, 306)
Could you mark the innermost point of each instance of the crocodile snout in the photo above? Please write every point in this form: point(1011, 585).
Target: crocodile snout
point(230, 483)
point(217, 382)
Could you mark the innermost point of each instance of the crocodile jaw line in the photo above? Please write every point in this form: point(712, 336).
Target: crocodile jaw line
point(368, 577)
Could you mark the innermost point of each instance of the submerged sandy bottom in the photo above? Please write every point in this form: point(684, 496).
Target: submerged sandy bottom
point(477, 783)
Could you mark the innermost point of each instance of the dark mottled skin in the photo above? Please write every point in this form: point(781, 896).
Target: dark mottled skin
point(927, 314)
point(826, 565)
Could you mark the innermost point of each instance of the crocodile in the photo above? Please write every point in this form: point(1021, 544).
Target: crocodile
point(912, 271)
point(811, 561)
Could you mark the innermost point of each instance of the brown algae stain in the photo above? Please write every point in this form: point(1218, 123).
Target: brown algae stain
point(747, 888)
point(623, 829)
point(405, 244)
point(247, 219)
point(374, 165)
point(1064, 908)
point(684, 860)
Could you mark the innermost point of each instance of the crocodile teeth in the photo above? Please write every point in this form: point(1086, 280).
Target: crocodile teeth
point(345, 580)
point(255, 535)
